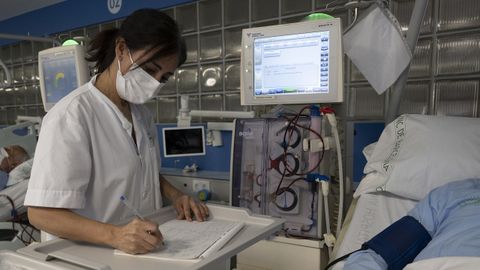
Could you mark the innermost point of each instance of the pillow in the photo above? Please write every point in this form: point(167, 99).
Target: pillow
point(372, 182)
point(417, 153)
point(20, 173)
point(368, 150)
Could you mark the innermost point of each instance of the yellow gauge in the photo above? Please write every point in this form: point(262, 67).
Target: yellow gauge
point(58, 76)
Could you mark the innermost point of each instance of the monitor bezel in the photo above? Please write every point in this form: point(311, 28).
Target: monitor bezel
point(247, 96)
point(183, 155)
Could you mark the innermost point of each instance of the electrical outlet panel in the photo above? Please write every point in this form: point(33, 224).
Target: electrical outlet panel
point(198, 185)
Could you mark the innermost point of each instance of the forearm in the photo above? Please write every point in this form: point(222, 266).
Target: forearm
point(67, 224)
point(168, 190)
point(365, 259)
point(184, 204)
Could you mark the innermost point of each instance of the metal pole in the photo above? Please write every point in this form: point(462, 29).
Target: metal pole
point(31, 38)
point(418, 13)
point(8, 75)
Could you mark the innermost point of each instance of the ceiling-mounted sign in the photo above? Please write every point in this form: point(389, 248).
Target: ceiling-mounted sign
point(114, 6)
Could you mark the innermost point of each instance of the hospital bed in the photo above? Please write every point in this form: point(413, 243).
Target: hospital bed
point(25, 135)
point(422, 153)
point(16, 193)
point(15, 232)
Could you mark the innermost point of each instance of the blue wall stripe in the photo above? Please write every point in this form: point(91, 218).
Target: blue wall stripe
point(364, 134)
point(73, 14)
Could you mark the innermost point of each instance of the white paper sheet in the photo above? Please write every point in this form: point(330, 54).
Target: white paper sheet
point(192, 241)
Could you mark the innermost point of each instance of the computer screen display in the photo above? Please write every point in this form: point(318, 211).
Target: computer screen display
point(292, 64)
point(59, 73)
point(61, 70)
point(183, 141)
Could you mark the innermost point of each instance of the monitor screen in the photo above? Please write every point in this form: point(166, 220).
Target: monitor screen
point(59, 73)
point(291, 64)
point(298, 63)
point(183, 141)
point(61, 70)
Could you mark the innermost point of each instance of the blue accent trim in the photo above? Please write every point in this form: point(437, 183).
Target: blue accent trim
point(73, 14)
point(364, 134)
point(21, 131)
point(314, 110)
point(312, 177)
point(215, 158)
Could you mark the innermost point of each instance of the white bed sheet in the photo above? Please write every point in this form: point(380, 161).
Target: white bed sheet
point(373, 213)
point(17, 194)
point(446, 263)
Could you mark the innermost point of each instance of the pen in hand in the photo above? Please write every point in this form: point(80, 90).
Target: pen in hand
point(134, 210)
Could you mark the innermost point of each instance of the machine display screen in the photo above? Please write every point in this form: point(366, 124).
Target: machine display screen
point(292, 64)
point(59, 74)
point(188, 141)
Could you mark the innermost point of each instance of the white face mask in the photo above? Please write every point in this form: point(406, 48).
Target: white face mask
point(137, 86)
point(3, 154)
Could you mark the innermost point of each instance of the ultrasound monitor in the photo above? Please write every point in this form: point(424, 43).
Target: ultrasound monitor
point(183, 141)
point(61, 70)
point(298, 63)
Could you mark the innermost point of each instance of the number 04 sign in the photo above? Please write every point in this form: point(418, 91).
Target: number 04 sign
point(114, 6)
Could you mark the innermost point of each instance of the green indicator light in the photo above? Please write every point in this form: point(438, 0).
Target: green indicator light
point(69, 42)
point(318, 16)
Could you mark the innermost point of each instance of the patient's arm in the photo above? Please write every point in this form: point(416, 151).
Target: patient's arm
point(415, 233)
point(440, 214)
point(365, 260)
point(394, 247)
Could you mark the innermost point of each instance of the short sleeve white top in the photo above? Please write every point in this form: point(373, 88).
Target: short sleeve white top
point(86, 158)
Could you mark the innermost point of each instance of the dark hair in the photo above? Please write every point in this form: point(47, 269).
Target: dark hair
point(18, 153)
point(144, 28)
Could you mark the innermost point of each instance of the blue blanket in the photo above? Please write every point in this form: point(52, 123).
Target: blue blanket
point(451, 214)
point(3, 180)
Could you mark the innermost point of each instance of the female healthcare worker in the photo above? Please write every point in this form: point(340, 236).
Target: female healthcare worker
point(99, 142)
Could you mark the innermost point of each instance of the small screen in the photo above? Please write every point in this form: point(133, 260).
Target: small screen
point(292, 64)
point(59, 74)
point(183, 141)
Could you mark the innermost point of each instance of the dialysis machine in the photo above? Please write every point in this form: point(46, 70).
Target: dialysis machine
point(272, 172)
point(282, 166)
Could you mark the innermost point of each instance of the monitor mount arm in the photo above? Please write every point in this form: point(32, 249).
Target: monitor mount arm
point(8, 76)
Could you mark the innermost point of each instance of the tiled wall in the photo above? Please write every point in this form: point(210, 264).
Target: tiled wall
point(444, 77)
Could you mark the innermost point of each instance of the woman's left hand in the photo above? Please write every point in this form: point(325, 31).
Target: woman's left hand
point(185, 205)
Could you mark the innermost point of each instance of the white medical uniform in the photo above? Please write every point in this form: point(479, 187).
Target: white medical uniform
point(86, 159)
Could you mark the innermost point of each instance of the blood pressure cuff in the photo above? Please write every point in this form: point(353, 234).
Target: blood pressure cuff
point(400, 243)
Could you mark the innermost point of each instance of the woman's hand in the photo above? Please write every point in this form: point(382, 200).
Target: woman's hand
point(137, 237)
point(185, 205)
